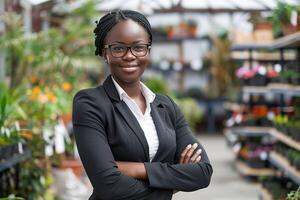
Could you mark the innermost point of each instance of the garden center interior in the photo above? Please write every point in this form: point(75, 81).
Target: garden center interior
point(232, 66)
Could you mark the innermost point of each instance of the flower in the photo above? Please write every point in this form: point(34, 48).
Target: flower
point(51, 97)
point(34, 93)
point(66, 86)
point(26, 135)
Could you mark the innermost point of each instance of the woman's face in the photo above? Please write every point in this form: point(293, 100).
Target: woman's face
point(128, 68)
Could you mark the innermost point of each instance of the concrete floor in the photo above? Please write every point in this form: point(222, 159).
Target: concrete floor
point(226, 183)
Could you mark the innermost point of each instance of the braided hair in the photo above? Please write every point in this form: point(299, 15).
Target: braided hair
point(108, 21)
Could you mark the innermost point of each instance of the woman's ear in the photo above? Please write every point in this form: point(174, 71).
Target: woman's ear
point(105, 56)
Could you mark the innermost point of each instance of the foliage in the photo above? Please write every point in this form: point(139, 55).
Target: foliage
point(50, 59)
point(157, 85)
point(10, 111)
point(191, 111)
point(281, 15)
point(34, 180)
point(9, 105)
point(222, 68)
point(188, 106)
point(294, 195)
point(283, 11)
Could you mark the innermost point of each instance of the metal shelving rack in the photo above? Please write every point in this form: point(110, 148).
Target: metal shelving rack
point(281, 44)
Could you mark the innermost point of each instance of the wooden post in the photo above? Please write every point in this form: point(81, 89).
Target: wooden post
point(182, 73)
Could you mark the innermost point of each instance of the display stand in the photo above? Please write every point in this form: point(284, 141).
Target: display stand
point(277, 53)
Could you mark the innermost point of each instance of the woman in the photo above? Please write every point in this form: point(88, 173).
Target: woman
point(134, 144)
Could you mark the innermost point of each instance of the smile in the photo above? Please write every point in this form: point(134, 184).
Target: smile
point(129, 69)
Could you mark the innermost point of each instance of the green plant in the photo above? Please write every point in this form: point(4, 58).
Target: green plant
point(294, 195)
point(157, 85)
point(9, 106)
point(189, 106)
point(283, 11)
point(191, 111)
point(221, 67)
point(281, 15)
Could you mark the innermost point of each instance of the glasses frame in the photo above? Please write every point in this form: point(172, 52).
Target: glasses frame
point(108, 46)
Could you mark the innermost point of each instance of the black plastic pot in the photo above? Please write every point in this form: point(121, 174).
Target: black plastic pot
point(258, 80)
point(295, 133)
point(8, 151)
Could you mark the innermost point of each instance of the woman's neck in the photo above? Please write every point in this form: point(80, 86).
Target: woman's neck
point(133, 90)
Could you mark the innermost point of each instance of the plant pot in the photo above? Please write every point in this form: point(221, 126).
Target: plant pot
point(74, 164)
point(263, 26)
point(258, 80)
point(295, 133)
point(295, 80)
point(8, 151)
point(288, 29)
point(67, 118)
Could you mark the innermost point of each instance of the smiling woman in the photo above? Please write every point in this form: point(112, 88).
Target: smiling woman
point(134, 144)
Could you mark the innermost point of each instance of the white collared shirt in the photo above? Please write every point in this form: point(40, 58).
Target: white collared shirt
point(145, 120)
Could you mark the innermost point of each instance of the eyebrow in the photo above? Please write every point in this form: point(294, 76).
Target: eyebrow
point(135, 42)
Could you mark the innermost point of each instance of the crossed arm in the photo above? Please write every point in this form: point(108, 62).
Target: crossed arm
point(137, 170)
point(113, 180)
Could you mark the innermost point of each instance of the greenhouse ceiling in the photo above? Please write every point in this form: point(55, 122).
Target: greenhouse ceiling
point(157, 6)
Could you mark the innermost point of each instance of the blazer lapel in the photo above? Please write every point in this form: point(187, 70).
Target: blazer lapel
point(158, 116)
point(126, 114)
point(134, 125)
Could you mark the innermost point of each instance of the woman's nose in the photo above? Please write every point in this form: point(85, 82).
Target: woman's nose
point(129, 55)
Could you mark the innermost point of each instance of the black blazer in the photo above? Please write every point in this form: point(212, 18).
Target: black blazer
point(106, 130)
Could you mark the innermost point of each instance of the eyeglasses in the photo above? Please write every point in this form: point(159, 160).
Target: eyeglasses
point(120, 50)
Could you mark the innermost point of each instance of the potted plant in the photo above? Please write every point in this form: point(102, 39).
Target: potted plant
point(281, 18)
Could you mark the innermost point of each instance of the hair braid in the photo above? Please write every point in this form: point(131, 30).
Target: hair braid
point(108, 21)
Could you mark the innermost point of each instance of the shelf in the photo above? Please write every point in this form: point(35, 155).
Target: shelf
point(284, 88)
point(273, 88)
point(255, 89)
point(249, 131)
point(262, 56)
point(230, 137)
point(245, 170)
point(285, 139)
point(280, 162)
point(14, 160)
point(264, 194)
point(178, 39)
point(290, 41)
point(233, 106)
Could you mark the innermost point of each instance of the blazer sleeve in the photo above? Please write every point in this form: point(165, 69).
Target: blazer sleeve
point(96, 155)
point(182, 177)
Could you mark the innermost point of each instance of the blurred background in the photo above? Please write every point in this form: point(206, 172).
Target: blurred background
point(232, 66)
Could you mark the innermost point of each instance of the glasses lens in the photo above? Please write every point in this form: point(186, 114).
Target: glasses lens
point(118, 50)
point(139, 49)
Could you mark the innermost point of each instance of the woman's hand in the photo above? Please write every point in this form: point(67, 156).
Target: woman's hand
point(189, 155)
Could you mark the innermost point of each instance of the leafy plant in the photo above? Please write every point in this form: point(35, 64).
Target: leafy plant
point(188, 106)
point(281, 15)
point(191, 111)
point(294, 195)
point(157, 85)
point(9, 105)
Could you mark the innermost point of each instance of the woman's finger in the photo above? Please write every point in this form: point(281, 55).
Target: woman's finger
point(183, 154)
point(190, 153)
point(196, 155)
point(198, 159)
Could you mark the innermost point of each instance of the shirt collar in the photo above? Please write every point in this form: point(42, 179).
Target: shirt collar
point(148, 94)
